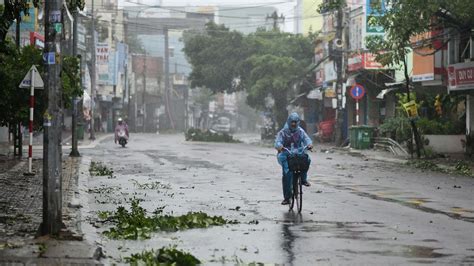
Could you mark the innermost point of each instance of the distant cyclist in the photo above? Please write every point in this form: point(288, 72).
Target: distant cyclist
point(291, 137)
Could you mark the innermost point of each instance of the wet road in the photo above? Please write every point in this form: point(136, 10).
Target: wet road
point(358, 211)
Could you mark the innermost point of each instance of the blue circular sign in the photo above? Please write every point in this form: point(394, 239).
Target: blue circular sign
point(357, 91)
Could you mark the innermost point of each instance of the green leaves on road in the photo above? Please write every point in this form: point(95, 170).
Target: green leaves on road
point(459, 168)
point(150, 185)
point(163, 256)
point(99, 169)
point(136, 223)
point(195, 134)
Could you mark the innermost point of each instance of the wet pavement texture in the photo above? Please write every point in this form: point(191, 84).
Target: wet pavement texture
point(21, 216)
point(359, 210)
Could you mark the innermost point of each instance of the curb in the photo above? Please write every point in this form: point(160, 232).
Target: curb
point(88, 231)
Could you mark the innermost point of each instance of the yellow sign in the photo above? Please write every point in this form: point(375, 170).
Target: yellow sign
point(330, 93)
point(411, 108)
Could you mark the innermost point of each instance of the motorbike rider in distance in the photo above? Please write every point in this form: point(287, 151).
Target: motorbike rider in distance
point(121, 126)
point(291, 137)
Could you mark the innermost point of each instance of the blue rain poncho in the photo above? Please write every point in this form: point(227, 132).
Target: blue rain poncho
point(295, 138)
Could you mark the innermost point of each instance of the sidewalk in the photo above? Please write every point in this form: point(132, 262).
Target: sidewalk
point(447, 163)
point(21, 216)
point(6, 149)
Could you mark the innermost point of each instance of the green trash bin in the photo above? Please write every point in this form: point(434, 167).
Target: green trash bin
point(361, 137)
point(80, 131)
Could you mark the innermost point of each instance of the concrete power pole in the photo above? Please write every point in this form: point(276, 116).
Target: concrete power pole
point(144, 93)
point(52, 181)
point(167, 78)
point(74, 151)
point(339, 51)
point(93, 74)
point(19, 144)
point(274, 16)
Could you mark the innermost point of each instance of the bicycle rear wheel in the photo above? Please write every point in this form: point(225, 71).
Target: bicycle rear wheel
point(294, 196)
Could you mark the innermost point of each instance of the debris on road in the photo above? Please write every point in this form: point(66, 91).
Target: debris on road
point(194, 134)
point(163, 256)
point(99, 169)
point(136, 224)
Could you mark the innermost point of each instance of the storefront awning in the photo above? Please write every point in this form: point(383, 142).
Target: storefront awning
point(391, 87)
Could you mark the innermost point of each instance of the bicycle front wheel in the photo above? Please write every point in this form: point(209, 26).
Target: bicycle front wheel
point(299, 193)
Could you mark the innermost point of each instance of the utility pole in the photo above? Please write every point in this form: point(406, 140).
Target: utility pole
point(274, 16)
point(93, 74)
point(74, 151)
point(19, 145)
point(52, 183)
point(339, 52)
point(167, 77)
point(144, 92)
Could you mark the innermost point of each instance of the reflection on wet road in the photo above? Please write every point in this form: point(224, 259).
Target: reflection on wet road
point(356, 212)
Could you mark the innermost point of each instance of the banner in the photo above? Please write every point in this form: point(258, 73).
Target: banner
point(374, 9)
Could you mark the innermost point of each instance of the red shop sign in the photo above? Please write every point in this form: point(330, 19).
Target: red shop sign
point(461, 76)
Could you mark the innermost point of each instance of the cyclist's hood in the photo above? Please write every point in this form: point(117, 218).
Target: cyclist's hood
point(291, 118)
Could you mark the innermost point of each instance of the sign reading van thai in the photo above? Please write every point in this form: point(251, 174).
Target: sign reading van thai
point(461, 76)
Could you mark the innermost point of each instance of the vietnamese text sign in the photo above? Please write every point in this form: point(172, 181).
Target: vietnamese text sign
point(102, 53)
point(461, 76)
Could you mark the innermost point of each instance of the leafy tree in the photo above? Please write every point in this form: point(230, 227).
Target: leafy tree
point(71, 79)
point(407, 18)
point(279, 62)
point(266, 63)
point(14, 9)
point(10, 11)
point(15, 65)
point(216, 56)
point(14, 101)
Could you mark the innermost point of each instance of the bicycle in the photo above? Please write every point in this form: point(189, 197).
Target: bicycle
point(298, 163)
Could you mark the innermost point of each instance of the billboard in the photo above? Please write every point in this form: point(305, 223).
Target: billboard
point(374, 9)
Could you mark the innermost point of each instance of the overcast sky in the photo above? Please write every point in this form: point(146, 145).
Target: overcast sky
point(285, 7)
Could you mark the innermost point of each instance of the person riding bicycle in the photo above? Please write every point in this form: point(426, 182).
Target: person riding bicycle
point(291, 137)
point(121, 126)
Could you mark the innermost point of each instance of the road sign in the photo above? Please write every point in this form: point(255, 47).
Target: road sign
point(357, 91)
point(32, 80)
point(38, 81)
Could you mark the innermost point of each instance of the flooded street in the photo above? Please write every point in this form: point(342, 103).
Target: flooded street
point(359, 210)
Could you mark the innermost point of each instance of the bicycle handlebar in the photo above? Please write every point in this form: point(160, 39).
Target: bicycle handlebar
point(304, 149)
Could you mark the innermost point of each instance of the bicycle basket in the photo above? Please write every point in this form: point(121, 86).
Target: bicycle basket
point(298, 162)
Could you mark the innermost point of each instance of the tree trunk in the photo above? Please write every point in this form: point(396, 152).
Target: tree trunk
point(15, 139)
point(5, 21)
point(20, 141)
point(281, 113)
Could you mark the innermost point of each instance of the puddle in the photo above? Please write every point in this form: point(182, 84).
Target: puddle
point(405, 252)
point(188, 162)
point(416, 203)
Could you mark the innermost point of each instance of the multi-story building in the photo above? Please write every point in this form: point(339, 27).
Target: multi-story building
point(307, 18)
point(246, 19)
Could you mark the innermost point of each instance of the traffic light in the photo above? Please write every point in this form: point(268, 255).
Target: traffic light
point(437, 105)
